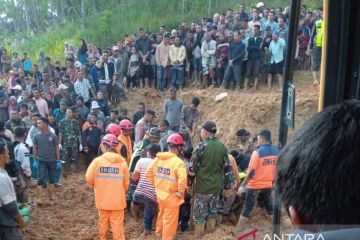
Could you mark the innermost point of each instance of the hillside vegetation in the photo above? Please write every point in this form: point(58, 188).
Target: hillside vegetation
point(44, 25)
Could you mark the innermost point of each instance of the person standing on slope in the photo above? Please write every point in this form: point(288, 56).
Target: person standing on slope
point(106, 173)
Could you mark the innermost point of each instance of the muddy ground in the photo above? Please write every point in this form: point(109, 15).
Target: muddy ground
point(73, 215)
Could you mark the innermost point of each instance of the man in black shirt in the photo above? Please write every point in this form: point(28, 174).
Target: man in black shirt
point(140, 113)
point(107, 72)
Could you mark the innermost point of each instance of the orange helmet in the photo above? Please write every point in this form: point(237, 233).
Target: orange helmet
point(110, 140)
point(113, 129)
point(175, 139)
point(126, 124)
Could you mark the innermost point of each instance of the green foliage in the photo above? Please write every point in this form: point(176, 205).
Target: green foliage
point(115, 18)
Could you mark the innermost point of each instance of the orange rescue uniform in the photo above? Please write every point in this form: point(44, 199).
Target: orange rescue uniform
point(261, 170)
point(168, 174)
point(126, 140)
point(109, 175)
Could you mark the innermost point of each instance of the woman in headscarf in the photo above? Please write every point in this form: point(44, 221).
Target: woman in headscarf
point(82, 52)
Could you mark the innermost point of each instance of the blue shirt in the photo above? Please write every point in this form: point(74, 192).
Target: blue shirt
point(277, 50)
point(273, 25)
point(27, 65)
point(59, 115)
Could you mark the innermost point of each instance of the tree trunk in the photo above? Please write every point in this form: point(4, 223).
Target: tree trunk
point(82, 14)
point(27, 16)
point(94, 5)
point(209, 10)
point(35, 15)
point(62, 6)
point(183, 9)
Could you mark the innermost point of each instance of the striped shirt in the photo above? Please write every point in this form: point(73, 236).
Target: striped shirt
point(144, 187)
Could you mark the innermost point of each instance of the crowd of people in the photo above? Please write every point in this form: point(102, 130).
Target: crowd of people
point(50, 113)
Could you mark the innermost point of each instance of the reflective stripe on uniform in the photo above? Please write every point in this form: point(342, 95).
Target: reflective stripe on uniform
point(109, 177)
point(165, 178)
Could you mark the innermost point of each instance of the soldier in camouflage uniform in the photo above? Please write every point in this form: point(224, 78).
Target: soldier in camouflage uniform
point(213, 172)
point(70, 140)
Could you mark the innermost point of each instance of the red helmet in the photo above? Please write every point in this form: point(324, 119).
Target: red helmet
point(113, 129)
point(110, 140)
point(126, 124)
point(175, 139)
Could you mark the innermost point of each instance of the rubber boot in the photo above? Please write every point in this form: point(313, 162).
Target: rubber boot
point(135, 212)
point(199, 230)
point(246, 83)
point(146, 83)
point(256, 84)
point(39, 190)
point(210, 225)
point(51, 189)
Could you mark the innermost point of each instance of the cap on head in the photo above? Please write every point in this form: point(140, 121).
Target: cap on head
point(77, 64)
point(154, 132)
point(210, 127)
point(242, 132)
point(62, 87)
point(94, 105)
point(260, 4)
point(17, 87)
point(63, 102)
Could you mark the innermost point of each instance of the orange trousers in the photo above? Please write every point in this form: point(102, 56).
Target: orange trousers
point(113, 218)
point(167, 221)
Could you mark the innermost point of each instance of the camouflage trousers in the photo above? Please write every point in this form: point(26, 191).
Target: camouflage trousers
point(69, 155)
point(205, 207)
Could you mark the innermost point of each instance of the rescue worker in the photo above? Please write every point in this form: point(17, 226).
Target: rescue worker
point(168, 174)
point(259, 178)
point(115, 130)
point(315, 46)
point(106, 173)
point(124, 137)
